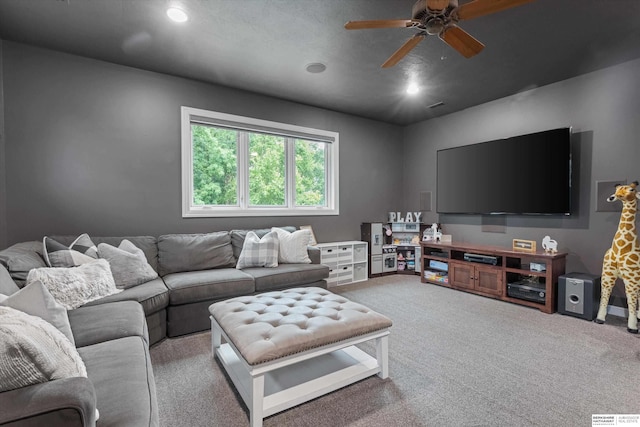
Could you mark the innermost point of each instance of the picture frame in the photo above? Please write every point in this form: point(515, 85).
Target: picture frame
point(520, 245)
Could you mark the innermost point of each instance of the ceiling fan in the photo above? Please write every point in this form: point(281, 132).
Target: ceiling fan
point(439, 17)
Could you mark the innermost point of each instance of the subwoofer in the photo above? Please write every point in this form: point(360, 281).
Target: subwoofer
point(579, 295)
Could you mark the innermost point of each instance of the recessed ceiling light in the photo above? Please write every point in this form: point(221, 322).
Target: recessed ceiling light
point(316, 67)
point(177, 15)
point(413, 88)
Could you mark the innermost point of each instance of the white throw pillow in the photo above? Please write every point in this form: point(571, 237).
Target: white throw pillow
point(257, 252)
point(36, 300)
point(33, 351)
point(293, 246)
point(76, 286)
point(128, 264)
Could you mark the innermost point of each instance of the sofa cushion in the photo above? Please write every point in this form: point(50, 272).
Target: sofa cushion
point(287, 275)
point(194, 286)
point(259, 252)
point(157, 326)
point(238, 236)
point(7, 285)
point(20, 258)
point(188, 318)
point(148, 244)
point(153, 296)
point(105, 322)
point(58, 255)
point(33, 351)
point(36, 300)
point(128, 263)
point(73, 287)
point(121, 373)
point(193, 252)
point(293, 246)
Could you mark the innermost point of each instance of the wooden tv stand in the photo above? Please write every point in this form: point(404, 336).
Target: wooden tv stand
point(450, 269)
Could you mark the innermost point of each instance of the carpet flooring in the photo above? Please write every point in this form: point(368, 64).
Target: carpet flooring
point(456, 359)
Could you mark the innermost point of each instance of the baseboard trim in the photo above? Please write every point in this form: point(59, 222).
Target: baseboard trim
point(617, 311)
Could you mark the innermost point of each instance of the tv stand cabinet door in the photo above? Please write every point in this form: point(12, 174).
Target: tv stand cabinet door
point(462, 275)
point(489, 280)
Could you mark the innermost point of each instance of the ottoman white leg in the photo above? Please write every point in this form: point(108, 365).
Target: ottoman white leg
point(257, 401)
point(382, 354)
point(216, 336)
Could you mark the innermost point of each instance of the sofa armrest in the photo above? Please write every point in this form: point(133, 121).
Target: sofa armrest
point(314, 254)
point(64, 402)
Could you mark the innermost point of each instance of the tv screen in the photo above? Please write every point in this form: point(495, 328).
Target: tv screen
point(526, 174)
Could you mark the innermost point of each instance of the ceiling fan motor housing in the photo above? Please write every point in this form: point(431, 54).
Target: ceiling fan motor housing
point(432, 21)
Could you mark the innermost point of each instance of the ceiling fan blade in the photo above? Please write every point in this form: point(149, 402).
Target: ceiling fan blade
point(461, 41)
point(383, 23)
point(404, 49)
point(437, 4)
point(479, 8)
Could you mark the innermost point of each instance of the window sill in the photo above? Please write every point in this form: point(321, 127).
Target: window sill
point(204, 212)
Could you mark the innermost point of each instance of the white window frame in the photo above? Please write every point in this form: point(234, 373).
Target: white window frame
point(191, 115)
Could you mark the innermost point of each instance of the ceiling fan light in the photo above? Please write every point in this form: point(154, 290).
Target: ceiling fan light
point(435, 26)
point(177, 15)
point(413, 89)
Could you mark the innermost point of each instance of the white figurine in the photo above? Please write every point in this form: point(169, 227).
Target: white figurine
point(427, 235)
point(436, 234)
point(549, 245)
point(432, 233)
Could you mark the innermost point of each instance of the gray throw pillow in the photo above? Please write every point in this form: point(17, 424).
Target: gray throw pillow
point(258, 252)
point(128, 263)
point(33, 351)
point(58, 255)
point(21, 258)
point(85, 245)
point(7, 285)
point(36, 300)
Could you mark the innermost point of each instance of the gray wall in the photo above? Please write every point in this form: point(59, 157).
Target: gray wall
point(3, 198)
point(602, 107)
point(95, 147)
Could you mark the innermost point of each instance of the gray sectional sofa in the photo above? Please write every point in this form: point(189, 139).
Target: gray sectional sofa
point(113, 334)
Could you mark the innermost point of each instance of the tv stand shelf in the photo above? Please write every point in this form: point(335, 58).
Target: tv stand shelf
point(445, 264)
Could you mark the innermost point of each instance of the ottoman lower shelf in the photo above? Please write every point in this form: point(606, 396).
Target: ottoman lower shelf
point(284, 348)
point(275, 386)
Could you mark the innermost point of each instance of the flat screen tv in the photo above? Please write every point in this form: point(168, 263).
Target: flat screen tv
point(526, 174)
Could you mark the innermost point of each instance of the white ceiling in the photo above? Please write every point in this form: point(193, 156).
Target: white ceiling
point(264, 46)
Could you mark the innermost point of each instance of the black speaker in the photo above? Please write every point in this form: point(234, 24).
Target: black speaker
point(579, 295)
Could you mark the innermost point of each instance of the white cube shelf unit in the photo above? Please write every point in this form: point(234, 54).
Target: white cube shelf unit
point(347, 261)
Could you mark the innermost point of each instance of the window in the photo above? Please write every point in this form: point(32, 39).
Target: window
point(239, 166)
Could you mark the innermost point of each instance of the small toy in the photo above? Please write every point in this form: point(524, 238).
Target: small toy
point(432, 233)
point(549, 245)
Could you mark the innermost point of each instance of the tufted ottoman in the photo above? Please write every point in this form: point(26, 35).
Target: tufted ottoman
point(285, 348)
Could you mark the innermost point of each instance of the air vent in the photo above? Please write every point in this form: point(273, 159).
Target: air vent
point(437, 104)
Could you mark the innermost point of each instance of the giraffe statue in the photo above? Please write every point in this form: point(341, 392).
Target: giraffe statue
point(622, 259)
